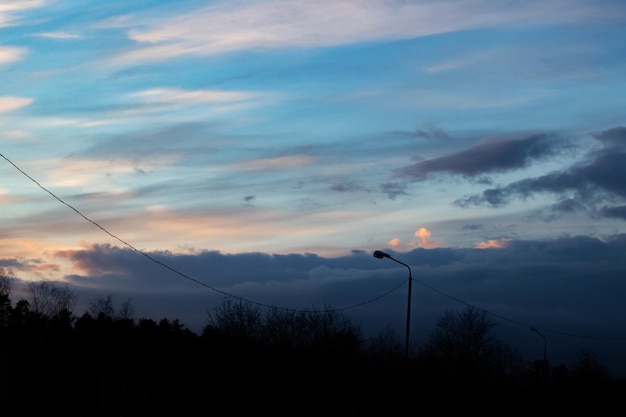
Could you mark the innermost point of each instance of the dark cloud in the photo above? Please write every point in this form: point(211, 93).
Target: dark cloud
point(473, 227)
point(596, 185)
point(248, 200)
point(429, 132)
point(37, 267)
point(570, 285)
point(618, 212)
point(615, 137)
point(393, 189)
point(12, 263)
point(346, 187)
point(489, 156)
point(432, 133)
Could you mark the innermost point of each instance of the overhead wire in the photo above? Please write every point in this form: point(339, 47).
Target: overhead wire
point(163, 264)
point(512, 320)
point(225, 293)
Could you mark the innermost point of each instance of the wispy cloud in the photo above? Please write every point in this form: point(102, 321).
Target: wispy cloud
point(179, 96)
point(236, 25)
point(13, 103)
point(9, 10)
point(10, 54)
point(175, 103)
point(281, 162)
point(59, 35)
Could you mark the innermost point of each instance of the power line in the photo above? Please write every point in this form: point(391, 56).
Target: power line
point(163, 264)
point(285, 308)
point(515, 321)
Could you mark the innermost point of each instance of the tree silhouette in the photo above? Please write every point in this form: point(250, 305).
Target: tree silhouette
point(49, 300)
point(588, 370)
point(462, 347)
point(105, 306)
point(283, 362)
point(236, 319)
point(6, 282)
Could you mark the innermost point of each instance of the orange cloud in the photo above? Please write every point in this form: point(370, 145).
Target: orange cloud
point(423, 236)
point(493, 243)
point(393, 243)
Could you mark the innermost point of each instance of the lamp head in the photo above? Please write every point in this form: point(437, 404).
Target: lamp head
point(380, 255)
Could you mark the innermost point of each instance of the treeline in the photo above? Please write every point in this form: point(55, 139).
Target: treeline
point(246, 360)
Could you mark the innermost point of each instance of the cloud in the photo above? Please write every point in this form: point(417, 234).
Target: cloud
point(236, 25)
point(179, 96)
point(393, 189)
point(423, 238)
point(428, 132)
point(596, 185)
point(394, 243)
point(22, 264)
point(493, 243)
point(13, 103)
point(487, 156)
point(281, 162)
point(126, 267)
point(175, 104)
point(156, 144)
point(248, 200)
point(618, 212)
point(161, 106)
point(9, 10)
point(568, 284)
point(10, 54)
point(121, 266)
point(78, 172)
point(346, 186)
point(59, 35)
point(17, 135)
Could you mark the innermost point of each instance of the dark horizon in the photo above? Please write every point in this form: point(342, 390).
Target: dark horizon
point(308, 362)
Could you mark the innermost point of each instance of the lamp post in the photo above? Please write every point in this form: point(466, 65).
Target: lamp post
point(543, 371)
point(380, 255)
point(545, 343)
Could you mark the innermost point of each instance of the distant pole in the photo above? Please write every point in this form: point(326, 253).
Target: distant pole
point(545, 343)
point(379, 255)
point(544, 370)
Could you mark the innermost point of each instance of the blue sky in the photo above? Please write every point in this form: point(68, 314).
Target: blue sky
point(266, 148)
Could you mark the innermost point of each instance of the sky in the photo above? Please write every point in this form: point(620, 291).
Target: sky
point(179, 153)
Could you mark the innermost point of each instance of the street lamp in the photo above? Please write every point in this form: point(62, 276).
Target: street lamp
point(380, 255)
point(545, 343)
point(544, 370)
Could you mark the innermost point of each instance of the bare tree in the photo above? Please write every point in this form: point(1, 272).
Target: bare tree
point(102, 307)
point(50, 300)
point(328, 329)
point(587, 369)
point(386, 345)
point(126, 311)
point(463, 344)
point(105, 307)
point(236, 319)
point(281, 328)
point(318, 329)
point(6, 282)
